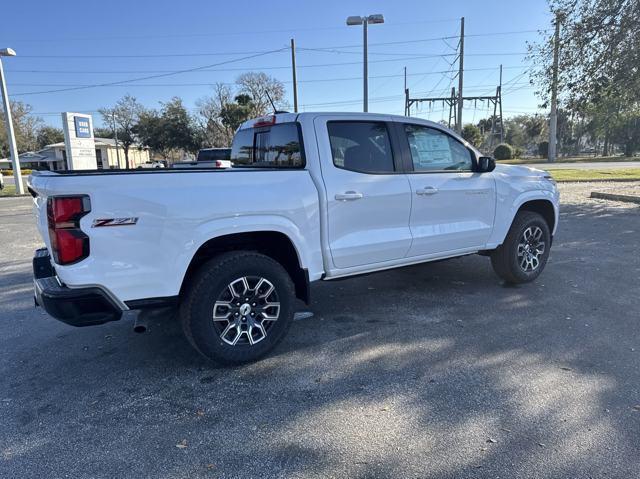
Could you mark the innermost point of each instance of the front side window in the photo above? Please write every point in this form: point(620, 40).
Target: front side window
point(361, 146)
point(434, 150)
point(277, 146)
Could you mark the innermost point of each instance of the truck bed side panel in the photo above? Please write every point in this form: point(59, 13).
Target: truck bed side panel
point(176, 214)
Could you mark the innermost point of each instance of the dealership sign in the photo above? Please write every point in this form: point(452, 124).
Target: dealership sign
point(79, 142)
point(83, 126)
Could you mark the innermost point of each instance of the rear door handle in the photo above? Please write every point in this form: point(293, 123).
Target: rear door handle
point(429, 190)
point(348, 196)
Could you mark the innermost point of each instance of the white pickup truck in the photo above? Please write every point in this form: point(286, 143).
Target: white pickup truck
point(311, 196)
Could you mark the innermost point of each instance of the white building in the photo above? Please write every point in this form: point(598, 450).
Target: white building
point(54, 157)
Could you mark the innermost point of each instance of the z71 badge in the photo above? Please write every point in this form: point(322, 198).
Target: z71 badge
point(114, 222)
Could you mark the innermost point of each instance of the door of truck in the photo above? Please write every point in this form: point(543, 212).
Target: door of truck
point(369, 198)
point(453, 206)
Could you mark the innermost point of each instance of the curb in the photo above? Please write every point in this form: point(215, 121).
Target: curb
point(601, 180)
point(616, 197)
point(14, 196)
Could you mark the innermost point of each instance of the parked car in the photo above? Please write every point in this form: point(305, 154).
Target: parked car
point(214, 154)
point(311, 196)
point(152, 164)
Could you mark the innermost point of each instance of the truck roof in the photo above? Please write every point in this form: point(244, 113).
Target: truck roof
point(289, 117)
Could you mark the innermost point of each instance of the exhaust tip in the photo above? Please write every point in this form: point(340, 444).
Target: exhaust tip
point(139, 328)
point(140, 324)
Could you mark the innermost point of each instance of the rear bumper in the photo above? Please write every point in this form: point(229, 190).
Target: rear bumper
point(75, 306)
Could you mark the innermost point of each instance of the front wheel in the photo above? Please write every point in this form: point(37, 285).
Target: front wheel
point(238, 307)
point(524, 253)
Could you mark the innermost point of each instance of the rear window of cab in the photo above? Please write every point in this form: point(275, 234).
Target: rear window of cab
point(275, 146)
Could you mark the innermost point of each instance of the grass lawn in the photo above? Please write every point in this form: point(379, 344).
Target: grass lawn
point(8, 190)
point(580, 159)
point(605, 174)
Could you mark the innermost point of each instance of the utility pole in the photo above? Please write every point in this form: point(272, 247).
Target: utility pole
point(553, 116)
point(500, 103)
point(460, 79)
point(293, 70)
point(11, 136)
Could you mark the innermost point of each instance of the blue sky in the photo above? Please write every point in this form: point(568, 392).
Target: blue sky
point(64, 44)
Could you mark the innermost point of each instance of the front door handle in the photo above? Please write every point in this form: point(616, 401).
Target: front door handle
point(429, 190)
point(348, 196)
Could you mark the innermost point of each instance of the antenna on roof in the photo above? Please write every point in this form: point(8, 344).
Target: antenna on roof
point(266, 92)
point(273, 105)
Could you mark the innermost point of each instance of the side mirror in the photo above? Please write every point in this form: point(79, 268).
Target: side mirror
point(486, 164)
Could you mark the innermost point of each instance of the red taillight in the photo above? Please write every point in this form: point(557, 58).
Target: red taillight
point(68, 243)
point(218, 164)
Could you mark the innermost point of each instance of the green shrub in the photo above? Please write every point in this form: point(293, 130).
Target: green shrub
point(10, 172)
point(503, 152)
point(543, 149)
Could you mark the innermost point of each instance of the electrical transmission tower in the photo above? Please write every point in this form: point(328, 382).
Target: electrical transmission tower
point(455, 102)
point(452, 101)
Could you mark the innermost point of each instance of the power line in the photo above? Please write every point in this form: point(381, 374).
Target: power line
point(149, 77)
point(104, 72)
point(189, 70)
point(74, 85)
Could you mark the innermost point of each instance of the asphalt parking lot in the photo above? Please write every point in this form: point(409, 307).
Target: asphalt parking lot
point(436, 370)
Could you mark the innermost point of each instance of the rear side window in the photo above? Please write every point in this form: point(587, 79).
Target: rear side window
point(361, 146)
point(278, 146)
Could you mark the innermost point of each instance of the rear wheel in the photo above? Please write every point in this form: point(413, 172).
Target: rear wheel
point(238, 307)
point(524, 253)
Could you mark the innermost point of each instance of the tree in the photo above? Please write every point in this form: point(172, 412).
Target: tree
point(599, 41)
point(48, 135)
point(150, 131)
point(598, 75)
point(234, 114)
point(99, 132)
point(169, 130)
point(26, 128)
point(472, 134)
point(229, 106)
point(256, 85)
point(626, 131)
point(123, 118)
point(215, 133)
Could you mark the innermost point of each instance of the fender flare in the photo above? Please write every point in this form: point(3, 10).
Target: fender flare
point(242, 224)
point(499, 234)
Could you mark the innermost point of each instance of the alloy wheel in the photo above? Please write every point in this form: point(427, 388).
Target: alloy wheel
point(531, 248)
point(246, 310)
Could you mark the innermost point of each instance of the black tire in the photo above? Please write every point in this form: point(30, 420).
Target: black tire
point(505, 259)
point(211, 283)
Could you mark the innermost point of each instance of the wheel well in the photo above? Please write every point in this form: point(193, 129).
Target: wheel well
point(544, 208)
point(270, 243)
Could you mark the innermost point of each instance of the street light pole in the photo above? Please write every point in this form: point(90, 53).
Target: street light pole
point(365, 21)
point(365, 63)
point(11, 136)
